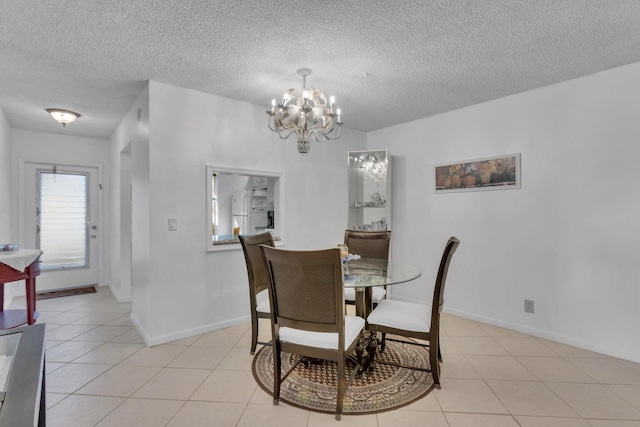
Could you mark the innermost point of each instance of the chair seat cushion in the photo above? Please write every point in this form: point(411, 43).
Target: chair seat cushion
point(377, 294)
point(262, 301)
point(407, 316)
point(353, 325)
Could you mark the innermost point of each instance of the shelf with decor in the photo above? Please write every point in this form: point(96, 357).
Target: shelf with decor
point(369, 190)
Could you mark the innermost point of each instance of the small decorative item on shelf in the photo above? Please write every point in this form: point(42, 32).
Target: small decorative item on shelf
point(377, 200)
point(9, 247)
point(380, 225)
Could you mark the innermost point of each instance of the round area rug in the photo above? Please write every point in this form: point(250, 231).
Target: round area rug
point(314, 386)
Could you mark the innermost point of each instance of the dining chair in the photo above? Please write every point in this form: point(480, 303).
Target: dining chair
point(258, 281)
point(308, 313)
point(412, 320)
point(367, 244)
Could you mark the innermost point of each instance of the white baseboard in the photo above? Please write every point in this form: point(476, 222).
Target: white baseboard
point(118, 296)
point(178, 335)
point(564, 339)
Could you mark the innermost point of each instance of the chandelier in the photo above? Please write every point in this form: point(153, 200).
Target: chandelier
point(306, 113)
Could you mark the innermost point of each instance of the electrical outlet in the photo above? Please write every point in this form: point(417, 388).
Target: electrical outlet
point(528, 306)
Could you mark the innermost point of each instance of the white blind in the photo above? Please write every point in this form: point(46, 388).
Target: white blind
point(63, 220)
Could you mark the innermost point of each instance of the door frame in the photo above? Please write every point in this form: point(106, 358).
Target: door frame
point(102, 223)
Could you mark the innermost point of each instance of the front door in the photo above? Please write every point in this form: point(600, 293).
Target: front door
point(62, 221)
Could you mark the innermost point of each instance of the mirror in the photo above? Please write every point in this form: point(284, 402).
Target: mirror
point(241, 201)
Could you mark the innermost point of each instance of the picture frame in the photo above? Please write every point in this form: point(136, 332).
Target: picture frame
point(488, 173)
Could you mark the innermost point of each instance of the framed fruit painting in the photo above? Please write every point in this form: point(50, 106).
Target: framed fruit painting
point(489, 173)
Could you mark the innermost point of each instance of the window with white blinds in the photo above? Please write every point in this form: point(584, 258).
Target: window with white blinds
point(62, 228)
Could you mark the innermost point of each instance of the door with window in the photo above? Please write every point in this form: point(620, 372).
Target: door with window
point(61, 211)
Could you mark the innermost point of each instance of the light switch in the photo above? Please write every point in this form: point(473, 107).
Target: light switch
point(173, 224)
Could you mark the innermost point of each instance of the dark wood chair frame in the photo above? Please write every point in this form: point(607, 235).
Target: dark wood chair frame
point(368, 244)
point(307, 293)
point(433, 335)
point(258, 279)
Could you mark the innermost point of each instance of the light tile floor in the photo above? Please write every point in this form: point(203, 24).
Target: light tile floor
point(100, 373)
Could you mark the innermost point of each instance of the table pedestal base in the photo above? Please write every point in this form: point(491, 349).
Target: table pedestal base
point(370, 343)
point(366, 360)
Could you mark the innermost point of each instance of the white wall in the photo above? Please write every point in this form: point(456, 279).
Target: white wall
point(129, 159)
point(184, 290)
point(5, 198)
point(568, 239)
point(29, 146)
point(5, 181)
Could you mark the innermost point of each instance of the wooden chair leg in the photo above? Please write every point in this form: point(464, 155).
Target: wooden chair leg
point(254, 332)
point(277, 378)
point(435, 365)
point(341, 388)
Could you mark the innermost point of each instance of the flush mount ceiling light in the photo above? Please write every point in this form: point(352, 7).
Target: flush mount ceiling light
point(306, 113)
point(63, 116)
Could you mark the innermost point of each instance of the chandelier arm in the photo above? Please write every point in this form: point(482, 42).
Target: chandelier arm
point(284, 137)
point(271, 121)
point(330, 134)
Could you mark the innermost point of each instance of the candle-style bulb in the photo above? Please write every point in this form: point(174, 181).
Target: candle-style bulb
point(332, 100)
point(305, 94)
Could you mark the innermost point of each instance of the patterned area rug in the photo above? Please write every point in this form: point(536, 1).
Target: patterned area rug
point(314, 387)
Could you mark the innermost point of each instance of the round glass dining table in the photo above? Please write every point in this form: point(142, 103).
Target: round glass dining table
point(364, 274)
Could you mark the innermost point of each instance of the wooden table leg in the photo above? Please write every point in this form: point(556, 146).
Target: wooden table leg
point(31, 299)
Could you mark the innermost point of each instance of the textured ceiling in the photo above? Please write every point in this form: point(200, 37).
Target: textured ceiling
point(387, 62)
